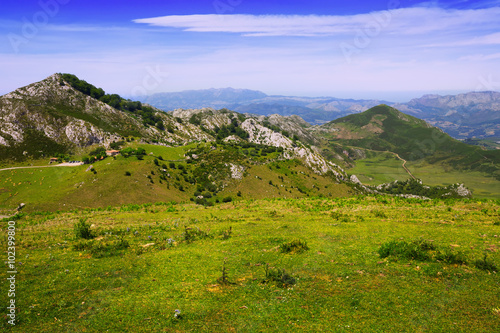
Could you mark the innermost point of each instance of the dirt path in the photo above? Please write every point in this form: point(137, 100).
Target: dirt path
point(404, 165)
point(45, 166)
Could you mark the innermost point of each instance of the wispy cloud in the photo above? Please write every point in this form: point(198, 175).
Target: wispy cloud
point(405, 21)
point(490, 39)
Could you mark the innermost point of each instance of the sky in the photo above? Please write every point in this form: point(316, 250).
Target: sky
point(392, 50)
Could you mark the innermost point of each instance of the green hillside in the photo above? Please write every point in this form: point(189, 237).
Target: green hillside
point(164, 174)
point(383, 128)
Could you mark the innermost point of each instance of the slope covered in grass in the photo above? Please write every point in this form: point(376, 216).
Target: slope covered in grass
point(367, 264)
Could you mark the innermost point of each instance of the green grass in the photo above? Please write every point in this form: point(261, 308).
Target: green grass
point(122, 180)
point(481, 184)
point(140, 268)
point(379, 168)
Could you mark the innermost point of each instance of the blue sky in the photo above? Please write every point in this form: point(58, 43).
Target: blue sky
point(393, 49)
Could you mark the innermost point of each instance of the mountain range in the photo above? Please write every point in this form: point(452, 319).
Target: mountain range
point(221, 151)
point(469, 115)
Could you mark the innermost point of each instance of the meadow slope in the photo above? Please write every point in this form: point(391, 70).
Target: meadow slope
point(359, 264)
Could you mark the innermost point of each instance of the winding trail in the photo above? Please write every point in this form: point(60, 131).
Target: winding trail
point(404, 165)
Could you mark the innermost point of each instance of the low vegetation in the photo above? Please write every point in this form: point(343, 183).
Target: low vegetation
point(362, 264)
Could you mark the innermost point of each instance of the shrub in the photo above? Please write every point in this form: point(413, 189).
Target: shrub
point(282, 278)
point(226, 234)
point(415, 250)
point(191, 234)
point(82, 230)
point(336, 215)
point(295, 246)
point(227, 199)
point(485, 264)
point(127, 173)
point(450, 257)
point(379, 213)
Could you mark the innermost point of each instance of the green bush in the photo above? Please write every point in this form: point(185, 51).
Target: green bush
point(82, 230)
point(227, 199)
point(192, 234)
point(379, 213)
point(280, 276)
point(450, 257)
point(415, 250)
point(486, 264)
point(295, 246)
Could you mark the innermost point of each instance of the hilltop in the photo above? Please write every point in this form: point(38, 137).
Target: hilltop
point(51, 116)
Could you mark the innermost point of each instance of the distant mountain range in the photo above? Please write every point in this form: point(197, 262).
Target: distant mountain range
point(314, 110)
point(470, 115)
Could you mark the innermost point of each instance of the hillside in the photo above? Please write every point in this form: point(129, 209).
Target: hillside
point(203, 155)
point(384, 128)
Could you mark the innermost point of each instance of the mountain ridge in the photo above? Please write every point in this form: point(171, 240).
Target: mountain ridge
point(467, 115)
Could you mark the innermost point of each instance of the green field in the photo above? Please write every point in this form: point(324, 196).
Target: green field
point(481, 185)
point(382, 167)
point(379, 168)
point(63, 188)
point(146, 261)
point(163, 174)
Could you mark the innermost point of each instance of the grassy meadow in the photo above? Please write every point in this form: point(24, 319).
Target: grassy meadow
point(382, 167)
point(163, 174)
point(482, 185)
point(379, 168)
point(358, 264)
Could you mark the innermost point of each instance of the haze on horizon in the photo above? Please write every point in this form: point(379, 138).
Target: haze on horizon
point(391, 50)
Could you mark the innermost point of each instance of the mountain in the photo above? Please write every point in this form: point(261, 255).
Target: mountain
point(470, 115)
point(384, 128)
point(197, 99)
point(204, 155)
point(315, 110)
point(51, 116)
point(474, 114)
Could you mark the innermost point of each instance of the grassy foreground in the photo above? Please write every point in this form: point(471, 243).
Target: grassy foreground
point(307, 265)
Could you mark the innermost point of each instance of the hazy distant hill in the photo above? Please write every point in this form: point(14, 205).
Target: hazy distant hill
point(474, 114)
point(315, 110)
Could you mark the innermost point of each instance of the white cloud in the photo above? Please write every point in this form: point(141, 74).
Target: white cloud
point(406, 21)
point(489, 39)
